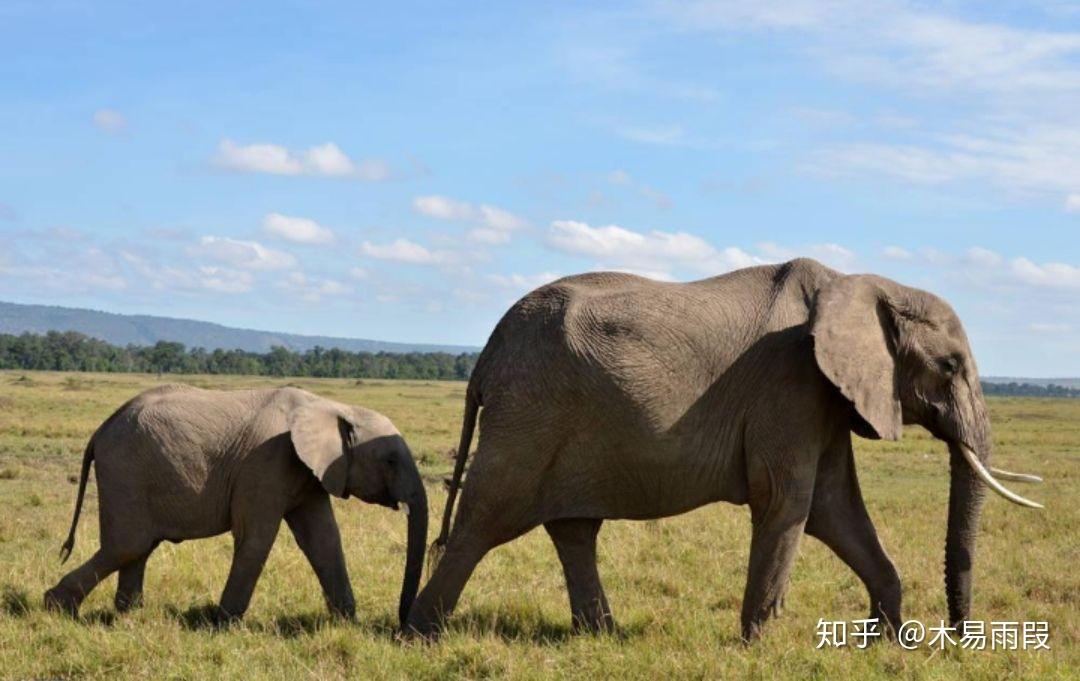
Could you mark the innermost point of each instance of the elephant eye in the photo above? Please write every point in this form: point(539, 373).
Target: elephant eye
point(949, 366)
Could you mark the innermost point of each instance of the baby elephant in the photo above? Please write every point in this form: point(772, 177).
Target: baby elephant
point(179, 463)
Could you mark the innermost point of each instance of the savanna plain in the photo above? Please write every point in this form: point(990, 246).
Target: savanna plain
point(675, 585)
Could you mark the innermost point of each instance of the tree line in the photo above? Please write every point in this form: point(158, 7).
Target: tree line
point(73, 351)
point(1029, 390)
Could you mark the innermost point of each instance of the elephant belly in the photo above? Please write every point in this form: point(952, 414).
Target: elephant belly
point(648, 481)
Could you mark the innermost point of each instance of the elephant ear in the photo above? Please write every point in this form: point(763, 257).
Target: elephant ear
point(321, 432)
point(852, 325)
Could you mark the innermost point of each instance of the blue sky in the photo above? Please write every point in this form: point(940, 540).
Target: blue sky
point(405, 173)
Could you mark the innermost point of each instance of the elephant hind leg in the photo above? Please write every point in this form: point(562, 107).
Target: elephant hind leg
point(70, 592)
point(470, 540)
point(129, 586)
point(575, 542)
point(440, 595)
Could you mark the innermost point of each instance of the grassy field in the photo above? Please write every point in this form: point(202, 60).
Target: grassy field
point(675, 585)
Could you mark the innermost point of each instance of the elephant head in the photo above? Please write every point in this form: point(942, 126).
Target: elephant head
point(358, 452)
point(900, 355)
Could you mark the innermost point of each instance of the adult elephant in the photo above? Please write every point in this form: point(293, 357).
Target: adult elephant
point(178, 463)
point(609, 396)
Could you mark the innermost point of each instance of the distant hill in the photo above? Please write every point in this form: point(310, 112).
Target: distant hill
point(123, 330)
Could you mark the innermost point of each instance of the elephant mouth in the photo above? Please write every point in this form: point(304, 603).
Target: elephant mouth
point(987, 476)
point(382, 499)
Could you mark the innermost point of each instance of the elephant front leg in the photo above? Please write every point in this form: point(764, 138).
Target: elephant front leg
point(575, 541)
point(838, 517)
point(316, 532)
point(251, 546)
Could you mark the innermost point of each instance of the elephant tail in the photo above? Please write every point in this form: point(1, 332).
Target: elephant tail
point(88, 458)
point(472, 406)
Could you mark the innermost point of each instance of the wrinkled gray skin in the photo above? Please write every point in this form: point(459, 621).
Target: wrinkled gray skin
point(179, 463)
point(608, 395)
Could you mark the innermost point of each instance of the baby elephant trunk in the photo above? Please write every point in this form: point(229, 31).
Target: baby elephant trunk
point(411, 494)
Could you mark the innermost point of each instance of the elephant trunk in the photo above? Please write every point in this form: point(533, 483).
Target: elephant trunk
point(410, 492)
point(966, 494)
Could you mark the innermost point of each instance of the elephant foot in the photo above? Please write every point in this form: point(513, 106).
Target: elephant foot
point(59, 599)
point(220, 618)
point(594, 623)
point(345, 610)
point(751, 632)
point(125, 602)
point(778, 606)
point(421, 630)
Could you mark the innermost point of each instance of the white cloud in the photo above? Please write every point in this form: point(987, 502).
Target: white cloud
point(614, 242)
point(328, 159)
point(403, 250)
point(1039, 159)
point(655, 252)
point(324, 160)
point(243, 254)
point(59, 261)
point(497, 218)
point(1050, 274)
point(983, 257)
point(257, 158)
point(1017, 131)
point(171, 277)
point(658, 254)
point(983, 267)
point(494, 224)
point(833, 255)
point(311, 289)
point(224, 280)
point(901, 43)
point(300, 230)
point(522, 282)
point(110, 121)
point(656, 275)
point(443, 208)
point(359, 273)
point(1072, 203)
point(896, 253)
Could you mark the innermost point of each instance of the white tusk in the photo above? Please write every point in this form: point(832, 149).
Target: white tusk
point(981, 471)
point(1015, 477)
point(403, 507)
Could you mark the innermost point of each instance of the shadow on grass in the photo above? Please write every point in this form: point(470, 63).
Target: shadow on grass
point(198, 617)
point(16, 601)
point(505, 625)
point(540, 631)
point(99, 618)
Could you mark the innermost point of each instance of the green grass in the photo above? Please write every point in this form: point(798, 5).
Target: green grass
point(675, 585)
